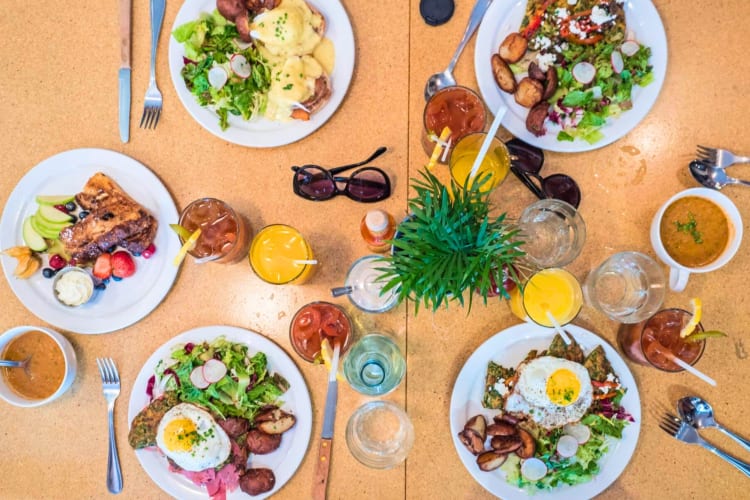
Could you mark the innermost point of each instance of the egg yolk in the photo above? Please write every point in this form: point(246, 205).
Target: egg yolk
point(563, 387)
point(180, 434)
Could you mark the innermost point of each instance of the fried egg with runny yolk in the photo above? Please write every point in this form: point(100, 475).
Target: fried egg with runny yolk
point(289, 29)
point(551, 391)
point(192, 439)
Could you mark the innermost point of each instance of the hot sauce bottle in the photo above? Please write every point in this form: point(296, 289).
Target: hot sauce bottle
point(377, 227)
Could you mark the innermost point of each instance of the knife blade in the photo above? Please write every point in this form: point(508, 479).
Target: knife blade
point(123, 76)
point(323, 466)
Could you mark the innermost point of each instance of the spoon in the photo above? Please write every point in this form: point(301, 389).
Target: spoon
point(7, 363)
point(445, 78)
point(711, 176)
point(341, 290)
point(698, 413)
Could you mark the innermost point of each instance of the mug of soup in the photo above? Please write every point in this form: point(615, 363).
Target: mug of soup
point(696, 231)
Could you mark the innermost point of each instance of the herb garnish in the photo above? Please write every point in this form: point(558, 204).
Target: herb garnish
point(690, 227)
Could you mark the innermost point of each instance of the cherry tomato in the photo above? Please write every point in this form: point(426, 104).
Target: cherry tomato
point(308, 323)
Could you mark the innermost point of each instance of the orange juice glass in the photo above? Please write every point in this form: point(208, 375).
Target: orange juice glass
point(552, 291)
point(495, 164)
point(280, 255)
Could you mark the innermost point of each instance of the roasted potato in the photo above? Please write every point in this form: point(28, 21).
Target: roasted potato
point(490, 460)
point(477, 424)
point(260, 443)
point(503, 75)
point(550, 83)
point(535, 119)
point(243, 26)
point(506, 444)
point(528, 444)
point(536, 72)
point(505, 417)
point(472, 441)
point(230, 9)
point(275, 421)
point(257, 481)
point(513, 48)
point(529, 92)
point(501, 429)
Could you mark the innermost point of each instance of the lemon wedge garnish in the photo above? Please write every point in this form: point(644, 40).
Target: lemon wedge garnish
point(326, 352)
point(181, 231)
point(438, 147)
point(189, 244)
point(693, 323)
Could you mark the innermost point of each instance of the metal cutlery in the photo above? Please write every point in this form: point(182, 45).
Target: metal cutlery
point(123, 75)
point(721, 158)
point(683, 431)
point(153, 101)
point(111, 389)
point(711, 176)
point(322, 468)
point(699, 413)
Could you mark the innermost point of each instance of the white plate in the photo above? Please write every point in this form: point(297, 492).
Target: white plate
point(505, 17)
point(508, 348)
point(262, 133)
point(284, 461)
point(124, 302)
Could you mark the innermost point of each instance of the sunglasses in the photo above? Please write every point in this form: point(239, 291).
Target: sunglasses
point(526, 161)
point(366, 185)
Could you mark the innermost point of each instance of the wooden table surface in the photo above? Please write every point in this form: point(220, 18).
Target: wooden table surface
point(59, 92)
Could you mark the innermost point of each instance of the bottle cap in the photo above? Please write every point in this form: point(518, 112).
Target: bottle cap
point(436, 12)
point(376, 221)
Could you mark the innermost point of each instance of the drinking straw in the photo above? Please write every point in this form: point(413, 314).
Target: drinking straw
point(559, 328)
point(688, 368)
point(302, 262)
point(488, 140)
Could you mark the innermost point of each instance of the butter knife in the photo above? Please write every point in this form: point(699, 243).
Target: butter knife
point(123, 76)
point(322, 468)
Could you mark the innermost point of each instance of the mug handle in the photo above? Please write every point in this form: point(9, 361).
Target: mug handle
point(678, 279)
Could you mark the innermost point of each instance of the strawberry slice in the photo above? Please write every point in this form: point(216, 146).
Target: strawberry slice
point(123, 265)
point(103, 266)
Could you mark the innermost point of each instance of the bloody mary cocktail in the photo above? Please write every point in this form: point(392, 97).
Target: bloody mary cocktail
point(317, 321)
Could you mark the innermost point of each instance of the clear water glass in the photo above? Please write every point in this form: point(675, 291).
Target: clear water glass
point(364, 278)
point(380, 434)
point(553, 233)
point(628, 287)
point(374, 365)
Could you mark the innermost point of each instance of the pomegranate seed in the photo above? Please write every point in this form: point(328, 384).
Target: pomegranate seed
point(149, 251)
point(72, 262)
point(61, 208)
point(56, 262)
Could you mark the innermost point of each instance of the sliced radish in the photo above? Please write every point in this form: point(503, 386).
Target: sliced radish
point(217, 77)
point(616, 59)
point(214, 370)
point(629, 48)
point(567, 446)
point(596, 92)
point(584, 72)
point(630, 35)
point(580, 432)
point(240, 66)
point(197, 378)
point(533, 469)
point(241, 44)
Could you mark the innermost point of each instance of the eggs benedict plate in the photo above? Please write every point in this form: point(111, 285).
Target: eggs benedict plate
point(307, 49)
point(528, 386)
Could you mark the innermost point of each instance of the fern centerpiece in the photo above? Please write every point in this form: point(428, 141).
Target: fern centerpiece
point(450, 243)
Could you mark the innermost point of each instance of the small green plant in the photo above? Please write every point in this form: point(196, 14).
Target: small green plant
point(450, 243)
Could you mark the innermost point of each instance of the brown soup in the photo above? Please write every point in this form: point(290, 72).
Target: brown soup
point(694, 231)
point(46, 369)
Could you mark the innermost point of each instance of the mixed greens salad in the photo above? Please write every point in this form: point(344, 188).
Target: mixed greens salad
point(222, 72)
point(221, 376)
point(598, 64)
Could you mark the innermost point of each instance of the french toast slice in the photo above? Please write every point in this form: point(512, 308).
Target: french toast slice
point(114, 219)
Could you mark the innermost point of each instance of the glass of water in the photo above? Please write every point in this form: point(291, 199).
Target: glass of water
point(379, 434)
point(364, 278)
point(553, 233)
point(628, 287)
point(374, 365)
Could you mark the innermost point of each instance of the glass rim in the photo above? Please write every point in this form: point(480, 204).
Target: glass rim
point(229, 209)
point(344, 347)
point(393, 302)
point(256, 238)
point(580, 290)
point(453, 88)
point(643, 328)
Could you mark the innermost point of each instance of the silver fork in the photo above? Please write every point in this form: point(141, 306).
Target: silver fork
point(683, 431)
point(111, 389)
point(720, 157)
point(153, 101)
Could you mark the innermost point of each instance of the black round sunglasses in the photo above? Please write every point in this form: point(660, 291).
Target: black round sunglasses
point(526, 161)
point(366, 185)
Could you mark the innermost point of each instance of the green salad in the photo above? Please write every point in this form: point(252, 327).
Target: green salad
point(221, 376)
point(223, 73)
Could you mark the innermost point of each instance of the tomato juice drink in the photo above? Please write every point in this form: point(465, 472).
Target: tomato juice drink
point(457, 108)
point(317, 321)
point(655, 341)
point(280, 255)
point(224, 235)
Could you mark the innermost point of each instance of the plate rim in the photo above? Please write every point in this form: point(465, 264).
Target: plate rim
point(487, 35)
point(251, 338)
point(274, 134)
point(491, 349)
point(106, 161)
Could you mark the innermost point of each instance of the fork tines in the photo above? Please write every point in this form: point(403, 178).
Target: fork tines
point(706, 153)
point(670, 423)
point(150, 117)
point(108, 370)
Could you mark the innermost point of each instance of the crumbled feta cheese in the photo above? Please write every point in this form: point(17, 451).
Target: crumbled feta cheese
point(604, 389)
point(610, 377)
point(561, 13)
point(600, 15)
point(575, 30)
point(545, 60)
point(572, 2)
point(500, 387)
point(543, 42)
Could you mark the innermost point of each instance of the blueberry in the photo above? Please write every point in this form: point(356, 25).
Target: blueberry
point(82, 214)
point(116, 278)
point(136, 254)
point(70, 206)
point(105, 280)
point(100, 286)
point(48, 272)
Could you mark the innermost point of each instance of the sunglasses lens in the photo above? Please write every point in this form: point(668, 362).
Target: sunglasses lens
point(562, 187)
point(368, 185)
point(314, 183)
point(524, 156)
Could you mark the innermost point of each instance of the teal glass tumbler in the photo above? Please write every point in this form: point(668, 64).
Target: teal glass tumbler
point(374, 365)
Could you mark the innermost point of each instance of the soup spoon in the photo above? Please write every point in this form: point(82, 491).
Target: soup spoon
point(711, 176)
point(7, 363)
point(698, 413)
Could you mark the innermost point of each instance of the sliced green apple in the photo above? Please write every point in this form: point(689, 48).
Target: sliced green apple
point(33, 239)
point(44, 229)
point(53, 215)
point(55, 199)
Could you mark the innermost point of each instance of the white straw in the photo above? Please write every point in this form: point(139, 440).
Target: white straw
point(690, 369)
point(302, 262)
point(559, 329)
point(488, 140)
point(335, 361)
